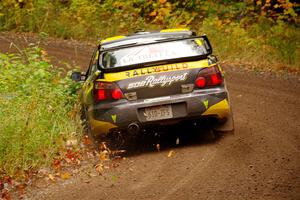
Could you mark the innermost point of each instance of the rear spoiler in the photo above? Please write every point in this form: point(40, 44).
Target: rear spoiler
point(169, 61)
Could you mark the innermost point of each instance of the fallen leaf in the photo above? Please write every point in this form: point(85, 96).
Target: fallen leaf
point(51, 177)
point(5, 195)
point(71, 143)
point(8, 179)
point(115, 165)
point(117, 152)
point(99, 168)
point(171, 153)
point(68, 160)
point(103, 156)
point(86, 140)
point(21, 189)
point(65, 175)
point(71, 155)
point(103, 146)
point(87, 181)
point(57, 164)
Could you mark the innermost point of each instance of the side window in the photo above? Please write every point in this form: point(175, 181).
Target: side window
point(93, 63)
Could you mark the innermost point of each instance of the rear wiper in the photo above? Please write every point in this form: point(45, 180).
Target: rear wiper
point(152, 41)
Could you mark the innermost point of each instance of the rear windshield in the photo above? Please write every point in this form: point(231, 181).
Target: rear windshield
point(153, 53)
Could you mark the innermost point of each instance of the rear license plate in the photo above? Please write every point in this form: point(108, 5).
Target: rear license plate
point(158, 113)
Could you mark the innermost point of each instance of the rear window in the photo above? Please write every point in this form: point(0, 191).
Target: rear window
point(153, 53)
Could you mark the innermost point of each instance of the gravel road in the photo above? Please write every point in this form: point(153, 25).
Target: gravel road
point(260, 161)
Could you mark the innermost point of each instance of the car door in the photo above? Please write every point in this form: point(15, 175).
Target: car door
point(90, 78)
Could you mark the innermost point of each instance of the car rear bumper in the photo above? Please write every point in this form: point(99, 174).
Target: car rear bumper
point(107, 117)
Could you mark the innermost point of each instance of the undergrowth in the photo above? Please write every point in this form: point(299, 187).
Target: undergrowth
point(264, 45)
point(262, 34)
point(38, 111)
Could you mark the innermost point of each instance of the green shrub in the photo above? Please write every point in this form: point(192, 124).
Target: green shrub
point(265, 44)
point(242, 31)
point(37, 111)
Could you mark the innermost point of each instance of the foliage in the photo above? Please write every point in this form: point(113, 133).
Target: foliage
point(86, 18)
point(263, 45)
point(242, 31)
point(37, 110)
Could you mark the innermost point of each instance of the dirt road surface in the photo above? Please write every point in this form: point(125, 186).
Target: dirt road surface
point(261, 161)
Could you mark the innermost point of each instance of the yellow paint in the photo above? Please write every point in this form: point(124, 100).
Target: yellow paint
point(174, 30)
point(221, 109)
point(114, 118)
point(113, 38)
point(110, 77)
point(100, 127)
point(199, 42)
point(205, 104)
point(88, 90)
point(97, 73)
point(97, 55)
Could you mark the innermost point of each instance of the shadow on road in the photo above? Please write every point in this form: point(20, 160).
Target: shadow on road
point(170, 137)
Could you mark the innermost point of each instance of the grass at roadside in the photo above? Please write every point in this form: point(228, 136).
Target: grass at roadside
point(38, 111)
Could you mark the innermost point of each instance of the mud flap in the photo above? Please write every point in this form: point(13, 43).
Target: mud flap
point(226, 126)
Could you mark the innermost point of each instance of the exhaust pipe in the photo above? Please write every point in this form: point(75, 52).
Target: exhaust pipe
point(133, 128)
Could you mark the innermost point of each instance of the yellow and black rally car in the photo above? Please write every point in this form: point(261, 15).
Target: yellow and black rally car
point(152, 79)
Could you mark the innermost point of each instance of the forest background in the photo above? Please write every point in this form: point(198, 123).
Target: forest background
point(260, 34)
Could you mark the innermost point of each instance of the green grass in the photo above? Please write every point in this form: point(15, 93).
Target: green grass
point(37, 111)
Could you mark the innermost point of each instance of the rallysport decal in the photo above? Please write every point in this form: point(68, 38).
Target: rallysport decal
point(152, 81)
point(117, 76)
point(156, 69)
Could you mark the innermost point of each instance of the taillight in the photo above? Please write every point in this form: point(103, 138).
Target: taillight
point(208, 77)
point(117, 94)
point(107, 91)
point(100, 95)
point(200, 82)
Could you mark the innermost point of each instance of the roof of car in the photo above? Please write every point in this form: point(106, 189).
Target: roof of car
point(145, 37)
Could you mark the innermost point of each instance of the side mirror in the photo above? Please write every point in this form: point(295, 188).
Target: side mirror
point(77, 76)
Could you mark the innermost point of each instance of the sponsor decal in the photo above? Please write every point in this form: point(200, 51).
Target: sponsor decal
point(150, 55)
point(114, 118)
point(152, 81)
point(205, 104)
point(157, 69)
